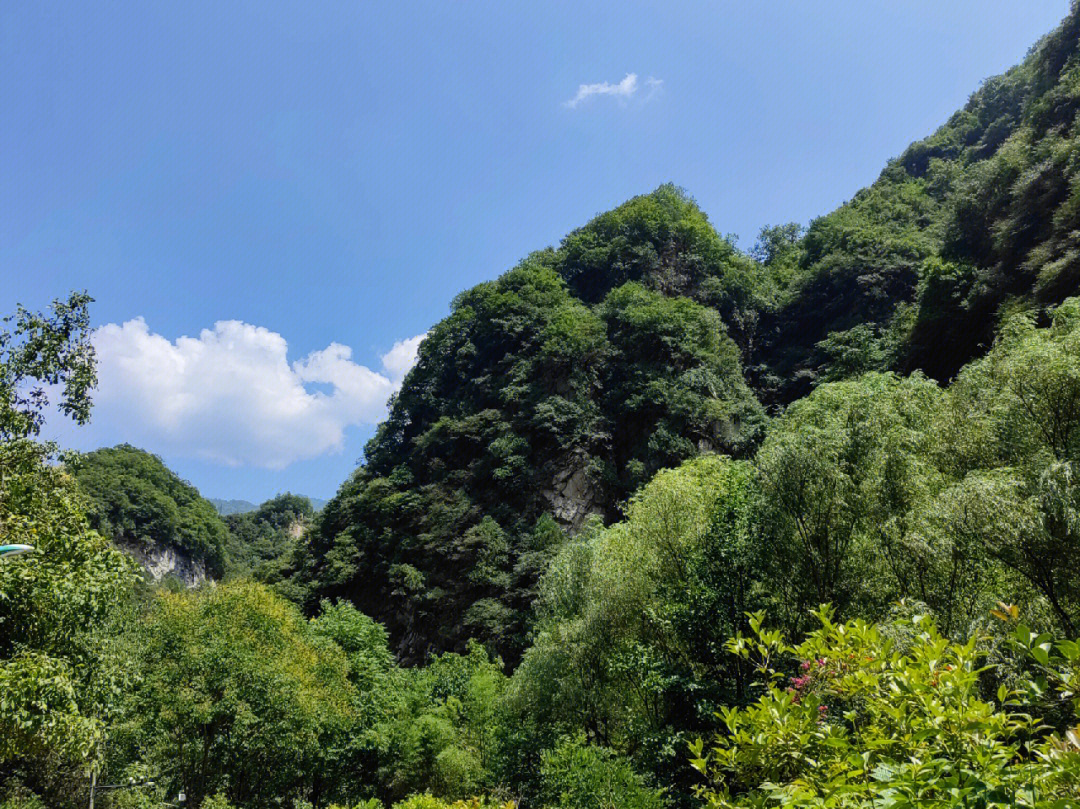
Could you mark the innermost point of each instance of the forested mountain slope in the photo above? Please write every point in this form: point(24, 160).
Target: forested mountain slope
point(147, 510)
point(261, 541)
point(977, 220)
point(546, 396)
point(144, 507)
point(578, 476)
point(554, 392)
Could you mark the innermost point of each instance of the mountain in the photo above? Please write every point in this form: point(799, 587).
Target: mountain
point(227, 507)
point(262, 540)
point(161, 520)
point(978, 220)
point(171, 530)
point(552, 393)
point(844, 596)
point(543, 400)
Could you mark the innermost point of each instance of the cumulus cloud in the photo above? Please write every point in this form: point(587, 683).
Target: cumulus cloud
point(231, 395)
point(624, 90)
point(402, 357)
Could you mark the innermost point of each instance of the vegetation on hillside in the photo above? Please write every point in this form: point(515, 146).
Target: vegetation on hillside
point(262, 541)
point(917, 511)
point(556, 391)
point(529, 410)
point(588, 562)
point(974, 222)
point(132, 498)
point(135, 500)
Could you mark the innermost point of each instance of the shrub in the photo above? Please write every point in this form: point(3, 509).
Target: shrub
point(892, 717)
point(577, 775)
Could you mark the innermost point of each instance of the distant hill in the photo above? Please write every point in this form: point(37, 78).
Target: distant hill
point(261, 541)
point(147, 510)
point(164, 523)
point(227, 507)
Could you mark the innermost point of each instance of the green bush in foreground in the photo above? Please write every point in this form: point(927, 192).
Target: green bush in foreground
point(896, 716)
point(576, 775)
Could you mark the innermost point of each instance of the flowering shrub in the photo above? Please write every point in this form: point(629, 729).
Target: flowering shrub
point(894, 717)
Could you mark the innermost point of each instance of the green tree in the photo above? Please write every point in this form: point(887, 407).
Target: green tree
point(633, 619)
point(40, 350)
point(60, 672)
point(355, 764)
point(842, 471)
point(576, 775)
point(239, 695)
point(852, 353)
point(444, 741)
point(676, 386)
point(1018, 409)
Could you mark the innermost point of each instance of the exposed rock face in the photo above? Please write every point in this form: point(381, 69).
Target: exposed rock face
point(159, 562)
point(573, 496)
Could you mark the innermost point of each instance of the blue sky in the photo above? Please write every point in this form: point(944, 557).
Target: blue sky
point(322, 178)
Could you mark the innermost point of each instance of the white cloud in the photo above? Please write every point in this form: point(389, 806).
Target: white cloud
point(402, 357)
point(624, 90)
point(231, 396)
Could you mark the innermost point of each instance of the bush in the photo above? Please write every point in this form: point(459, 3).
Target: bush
point(577, 775)
point(892, 717)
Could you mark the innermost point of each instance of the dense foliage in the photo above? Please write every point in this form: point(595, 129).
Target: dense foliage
point(975, 221)
point(566, 572)
point(135, 500)
point(261, 541)
point(239, 695)
point(559, 389)
point(59, 670)
point(531, 408)
point(895, 716)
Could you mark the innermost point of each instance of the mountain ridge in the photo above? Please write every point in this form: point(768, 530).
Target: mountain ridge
point(227, 507)
point(645, 338)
